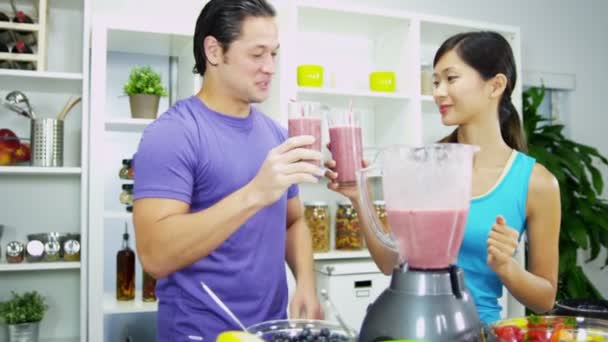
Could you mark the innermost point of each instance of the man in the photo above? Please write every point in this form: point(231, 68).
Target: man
point(215, 188)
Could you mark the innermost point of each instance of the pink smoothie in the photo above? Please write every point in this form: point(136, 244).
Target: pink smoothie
point(428, 239)
point(345, 143)
point(306, 126)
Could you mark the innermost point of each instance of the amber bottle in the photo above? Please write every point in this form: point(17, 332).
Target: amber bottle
point(125, 270)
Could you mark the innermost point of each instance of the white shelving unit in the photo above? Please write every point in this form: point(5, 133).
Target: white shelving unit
point(354, 41)
point(37, 199)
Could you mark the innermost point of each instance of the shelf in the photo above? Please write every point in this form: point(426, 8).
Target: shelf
point(127, 125)
point(34, 170)
point(22, 57)
point(39, 266)
point(19, 26)
point(55, 76)
point(335, 255)
point(69, 339)
point(119, 215)
point(112, 306)
point(427, 98)
point(352, 93)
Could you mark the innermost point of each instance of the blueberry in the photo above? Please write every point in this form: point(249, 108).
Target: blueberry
point(325, 332)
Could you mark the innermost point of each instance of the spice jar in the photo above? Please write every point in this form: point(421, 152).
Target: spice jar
point(51, 250)
point(380, 208)
point(317, 219)
point(348, 234)
point(126, 171)
point(126, 196)
point(71, 250)
point(14, 252)
point(34, 251)
point(148, 287)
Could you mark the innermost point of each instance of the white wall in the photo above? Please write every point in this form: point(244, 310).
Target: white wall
point(559, 36)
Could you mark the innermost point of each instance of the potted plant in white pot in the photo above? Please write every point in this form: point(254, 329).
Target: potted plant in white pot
point(22, 314)
point(144, 88)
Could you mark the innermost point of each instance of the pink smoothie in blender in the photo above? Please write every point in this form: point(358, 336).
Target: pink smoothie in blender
point(429, 238)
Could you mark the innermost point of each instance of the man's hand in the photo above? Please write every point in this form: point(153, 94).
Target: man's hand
point(284, 166)
point(305, 304)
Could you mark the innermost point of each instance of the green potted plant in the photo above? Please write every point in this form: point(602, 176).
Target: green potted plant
point(144, 88)
point(584, 213)
point(23, 313)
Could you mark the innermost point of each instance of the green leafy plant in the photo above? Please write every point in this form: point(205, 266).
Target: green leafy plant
point(28, 307)
point(144, 80)
point(584, 213)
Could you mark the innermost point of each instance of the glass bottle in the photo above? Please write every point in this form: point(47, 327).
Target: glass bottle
point(317, 219)
point(27, 37)
point(21, 47)
point(4, 34)
point(126, 171)
point(126, 196)
point(125, 270)
point(348, 234)
point(148, 287)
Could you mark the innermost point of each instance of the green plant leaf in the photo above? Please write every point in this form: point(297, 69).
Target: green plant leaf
point(144, 80)
point(596, 176)
point(594, 241)
point(576, 230)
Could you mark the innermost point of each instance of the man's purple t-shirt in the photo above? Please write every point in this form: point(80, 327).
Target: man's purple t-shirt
point(198, 156)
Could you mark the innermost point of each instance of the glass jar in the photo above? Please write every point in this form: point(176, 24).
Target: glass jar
point(126, 196)
point(317, 219)
point(15, 252)
point(426, 80)
point(51, 250)
point(148, 287)
point(71, 250)
point(348, 233)
point(126, 171)
point(34, 250)
point(380, 208)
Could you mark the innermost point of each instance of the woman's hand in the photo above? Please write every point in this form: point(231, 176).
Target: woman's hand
point(502, 243)
point(350, 191)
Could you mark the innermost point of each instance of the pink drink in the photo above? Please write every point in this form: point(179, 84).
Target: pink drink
point(346, 149)
point(429, 239)
point(307, 126)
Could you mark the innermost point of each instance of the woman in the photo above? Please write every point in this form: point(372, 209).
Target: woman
point(474, 76)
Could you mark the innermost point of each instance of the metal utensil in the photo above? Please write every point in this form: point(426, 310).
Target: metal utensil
point(328, 302)
point(18, 97)
point(223, 307)
point(16, 109)
point(68, 107)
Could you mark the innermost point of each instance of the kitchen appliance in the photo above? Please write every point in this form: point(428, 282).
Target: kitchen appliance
point(427, 191)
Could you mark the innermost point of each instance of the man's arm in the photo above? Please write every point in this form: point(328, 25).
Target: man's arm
point(300, 260)
point(169, 238)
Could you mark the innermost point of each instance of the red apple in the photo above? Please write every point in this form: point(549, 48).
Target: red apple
point(6, 157)
point(8, 140)
point(23, 153)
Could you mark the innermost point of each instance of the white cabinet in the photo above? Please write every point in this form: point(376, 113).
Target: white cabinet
point(352, 286)
point(38, 199)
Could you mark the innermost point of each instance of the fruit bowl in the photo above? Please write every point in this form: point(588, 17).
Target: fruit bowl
point(294, 330)
point(549, 329)
point(13, 150)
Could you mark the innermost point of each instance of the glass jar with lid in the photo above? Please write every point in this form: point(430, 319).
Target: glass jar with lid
point(15, 252)
point(126, 196)
point(426, 79)
point(348, 233)
point(126, 171)
point(51, 250)
point(380, 209)
point(317, 219)
point(71, 250)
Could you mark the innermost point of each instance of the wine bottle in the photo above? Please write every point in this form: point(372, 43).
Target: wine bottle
point(28, 37)
point(125, 270)
point(21, 47)
point(4, 34)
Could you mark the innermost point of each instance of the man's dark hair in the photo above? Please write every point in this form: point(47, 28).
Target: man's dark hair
point(223, 19)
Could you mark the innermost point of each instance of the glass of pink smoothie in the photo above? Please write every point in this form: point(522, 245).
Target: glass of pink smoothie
point(427, 191)
point(305, 118)
point(346, 144)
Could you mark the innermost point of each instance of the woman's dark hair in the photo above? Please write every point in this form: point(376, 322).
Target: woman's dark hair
point(223, 19)
point(490, 54)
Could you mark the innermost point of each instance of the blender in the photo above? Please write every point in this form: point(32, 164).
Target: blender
point(427, 191)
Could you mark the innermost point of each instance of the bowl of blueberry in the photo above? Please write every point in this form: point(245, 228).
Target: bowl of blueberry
point(300, 330)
